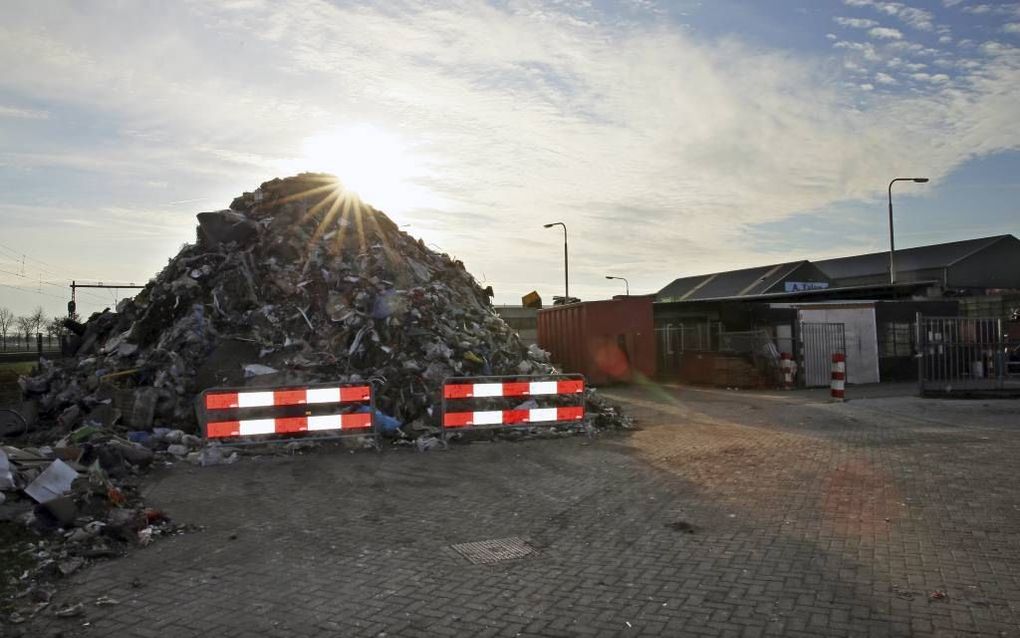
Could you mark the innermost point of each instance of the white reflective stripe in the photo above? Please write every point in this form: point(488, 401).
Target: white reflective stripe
point(257, 426)
point(839, 366)
point(324, 422)
point(322, 395)
point(538, 415)
point(487, 390)
point(254, 399)
point(490, 417)
point(838, 384)
point(543, 387)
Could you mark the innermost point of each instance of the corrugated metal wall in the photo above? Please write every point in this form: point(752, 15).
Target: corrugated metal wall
point(607, 341)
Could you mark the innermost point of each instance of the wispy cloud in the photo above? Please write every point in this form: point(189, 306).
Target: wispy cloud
point(25, 114)
point(885, 33)
point(524, 114)
point(855, 23)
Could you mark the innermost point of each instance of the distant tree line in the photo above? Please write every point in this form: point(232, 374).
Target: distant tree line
point(29, 325)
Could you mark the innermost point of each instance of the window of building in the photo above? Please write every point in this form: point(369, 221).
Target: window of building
point(896, 340)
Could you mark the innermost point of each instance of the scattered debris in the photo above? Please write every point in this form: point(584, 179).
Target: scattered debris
point(682, 526)
point(73, 611)
point(55, 481)
point(938, 594)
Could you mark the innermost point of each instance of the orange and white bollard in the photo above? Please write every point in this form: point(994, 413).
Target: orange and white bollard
point(786, 365)
point(837, 386)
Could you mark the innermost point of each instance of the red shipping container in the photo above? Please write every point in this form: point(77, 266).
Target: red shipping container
point(610, 341)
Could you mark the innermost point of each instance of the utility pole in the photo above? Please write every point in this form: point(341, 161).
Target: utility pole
point(72, 305)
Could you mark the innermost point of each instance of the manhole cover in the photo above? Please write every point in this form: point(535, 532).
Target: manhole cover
point(495, 550)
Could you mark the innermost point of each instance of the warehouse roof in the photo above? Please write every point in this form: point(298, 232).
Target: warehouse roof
point(909, 259)
point(745, 282)
point(857, 273)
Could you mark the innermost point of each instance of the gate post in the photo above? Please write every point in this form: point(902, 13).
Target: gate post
point(786, 364)
point(920, 346)
point(1000, 356)
point(837, 386)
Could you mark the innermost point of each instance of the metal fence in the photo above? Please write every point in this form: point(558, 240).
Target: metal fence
point(966, 355)
point(677, 338)
point(37, 344)
point(706, 353)
point(818, 342)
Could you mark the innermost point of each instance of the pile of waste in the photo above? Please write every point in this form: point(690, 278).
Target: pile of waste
point(297, 282)
point(80, 498)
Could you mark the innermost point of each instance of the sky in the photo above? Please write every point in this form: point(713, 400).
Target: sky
point(672, 138)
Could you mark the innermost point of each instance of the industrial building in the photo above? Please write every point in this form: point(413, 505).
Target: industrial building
point(731, 328)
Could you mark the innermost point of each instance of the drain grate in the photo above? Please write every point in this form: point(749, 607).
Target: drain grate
point(495, 550)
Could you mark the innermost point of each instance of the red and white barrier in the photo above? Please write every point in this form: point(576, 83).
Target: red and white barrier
point(288, 425)
point(287, 396)
point(512, 417)
point(512, 389)
point(229, 405)
point(786, 365)
point(463, 391)
point(837, 386)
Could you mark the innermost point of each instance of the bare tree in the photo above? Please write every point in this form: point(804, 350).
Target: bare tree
point(38, 318)
point(6, 322)
point(56, 327)
point(25, 325)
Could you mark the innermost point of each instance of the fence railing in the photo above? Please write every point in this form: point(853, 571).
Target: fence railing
point(961, 355)
point(38, 344)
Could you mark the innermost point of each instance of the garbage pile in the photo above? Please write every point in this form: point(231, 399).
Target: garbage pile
point(80, 498)
point(297, 282)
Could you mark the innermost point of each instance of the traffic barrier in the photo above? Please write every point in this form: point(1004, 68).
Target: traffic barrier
point(468, 390)
point(786, 365)
point(837, 386)
point(316, 412)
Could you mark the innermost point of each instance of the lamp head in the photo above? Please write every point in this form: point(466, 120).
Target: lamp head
point(920, 180)
point(547, 225)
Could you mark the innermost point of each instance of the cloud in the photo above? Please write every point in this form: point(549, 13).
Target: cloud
point(885, 78)
point(866, 49)
point(1012, 27)
point(1005, 9)
point(520, 116)
point(855, 23)
point(917, 18)
point(885, 33)
point(25, 114)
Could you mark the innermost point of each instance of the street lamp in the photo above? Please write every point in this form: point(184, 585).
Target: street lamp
point(566, 270)
point(624, 279)
point(892, 244)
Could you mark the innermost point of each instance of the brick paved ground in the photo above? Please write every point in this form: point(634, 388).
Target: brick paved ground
point(809, 519)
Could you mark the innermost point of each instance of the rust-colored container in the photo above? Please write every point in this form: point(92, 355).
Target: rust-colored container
point(610, 341)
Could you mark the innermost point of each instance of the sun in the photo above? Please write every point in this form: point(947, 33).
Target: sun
point(376, 164)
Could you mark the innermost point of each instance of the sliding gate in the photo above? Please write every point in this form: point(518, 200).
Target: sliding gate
point(965, 355)
point(818, 342)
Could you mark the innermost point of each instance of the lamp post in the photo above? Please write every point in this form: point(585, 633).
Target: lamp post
point(625, 282)
point(566, 263)
point(892, 243)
